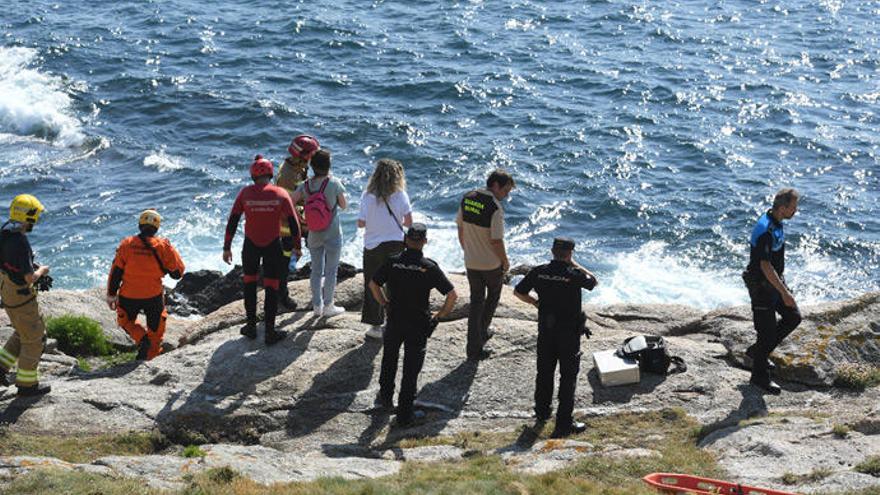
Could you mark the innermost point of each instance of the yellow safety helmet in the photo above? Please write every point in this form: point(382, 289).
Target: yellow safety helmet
point(25, 209)
point(150, 217)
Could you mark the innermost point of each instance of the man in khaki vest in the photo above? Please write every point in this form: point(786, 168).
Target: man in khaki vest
point(292, 172)
point(18, 274)
point(480, 222)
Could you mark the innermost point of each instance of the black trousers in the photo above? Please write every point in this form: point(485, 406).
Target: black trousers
point(283, 274)
point(485, 286)
point(151, 307)
point(766, 302)
point(563, 348)
point(270, 256)
point(413, 336)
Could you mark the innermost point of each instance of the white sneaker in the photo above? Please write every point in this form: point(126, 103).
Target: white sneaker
point(376, 332)
point(318, 311)
point(333, 310)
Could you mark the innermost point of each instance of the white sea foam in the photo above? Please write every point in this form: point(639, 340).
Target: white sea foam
point(34, 103)
point(163, 162)
point(650, 274)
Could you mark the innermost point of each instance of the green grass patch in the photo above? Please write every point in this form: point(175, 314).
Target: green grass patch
point(81, 448)
point(840, 431)
point(103, 362)
point(191, 451)
point(857, 376)
point(78, 335)
point(73, 483)
point(667, 432)
point(83, 364)
point(625, 430)
point(871, 466)
point(221, 476)
point(813, 476)
point(873, 490)
point(118, 358)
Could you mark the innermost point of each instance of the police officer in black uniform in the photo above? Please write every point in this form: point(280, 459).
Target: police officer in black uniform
point(409, 277)
point(560, 325)
point(767, 289)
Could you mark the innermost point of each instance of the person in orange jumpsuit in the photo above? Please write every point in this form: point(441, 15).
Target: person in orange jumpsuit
point(135, 283)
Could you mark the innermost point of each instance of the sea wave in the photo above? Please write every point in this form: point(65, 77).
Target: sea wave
point(33, 103)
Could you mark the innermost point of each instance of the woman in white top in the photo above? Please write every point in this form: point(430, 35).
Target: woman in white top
point(384, 214)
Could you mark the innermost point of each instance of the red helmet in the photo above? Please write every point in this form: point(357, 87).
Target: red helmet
point(303, 146)
point(261, 167)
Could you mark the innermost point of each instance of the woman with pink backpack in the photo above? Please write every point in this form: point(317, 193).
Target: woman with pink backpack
point(323, 196)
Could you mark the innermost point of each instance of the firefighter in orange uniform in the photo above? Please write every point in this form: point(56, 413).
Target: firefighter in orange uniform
point(135, 283)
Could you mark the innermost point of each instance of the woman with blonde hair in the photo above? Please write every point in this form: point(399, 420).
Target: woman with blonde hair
point(385, 212)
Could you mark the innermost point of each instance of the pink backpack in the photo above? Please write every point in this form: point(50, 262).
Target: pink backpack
point(318, 213)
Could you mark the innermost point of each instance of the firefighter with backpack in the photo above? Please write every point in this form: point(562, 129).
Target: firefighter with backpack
point(324, 196)
point(19, 279)
point(135, 283)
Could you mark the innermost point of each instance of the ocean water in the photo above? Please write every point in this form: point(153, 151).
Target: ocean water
point(653, 133)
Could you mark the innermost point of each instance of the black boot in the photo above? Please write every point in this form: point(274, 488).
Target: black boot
point(766, 384)
point(483, 354)
point(143, 349)
point(4, 380)
point(562, 431)
point(275, 336)
point(287, 301)
point(249, 330)
point(542, 416)
point(384, 402)
point(408, 418)
point(34, 390)
point(749, 360)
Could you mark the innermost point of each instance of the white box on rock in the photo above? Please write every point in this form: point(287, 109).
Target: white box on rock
point(614, 370)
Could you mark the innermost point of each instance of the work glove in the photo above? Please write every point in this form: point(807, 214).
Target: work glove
point(591, 282)
point(43, 283)
point(287, 243)
point(582, 323)
point(587, 332)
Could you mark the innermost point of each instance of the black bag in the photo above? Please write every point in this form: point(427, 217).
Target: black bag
point(652, 354)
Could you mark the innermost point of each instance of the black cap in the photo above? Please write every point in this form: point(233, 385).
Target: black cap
point(417, 232)
point(563, 244)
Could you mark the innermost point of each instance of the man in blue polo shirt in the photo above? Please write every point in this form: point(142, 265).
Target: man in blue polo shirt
point(768, 290)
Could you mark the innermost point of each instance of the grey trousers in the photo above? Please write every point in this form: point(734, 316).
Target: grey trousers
point(372, 313)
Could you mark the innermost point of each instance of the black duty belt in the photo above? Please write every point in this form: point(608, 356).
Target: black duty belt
point(24, 291)
point(4, 305)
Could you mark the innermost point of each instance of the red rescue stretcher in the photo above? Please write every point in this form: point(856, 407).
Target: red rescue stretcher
point(682, 484)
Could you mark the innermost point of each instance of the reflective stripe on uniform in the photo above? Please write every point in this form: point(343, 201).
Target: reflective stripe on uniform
point(7, 360)
point(26, 377)
point(285, 232)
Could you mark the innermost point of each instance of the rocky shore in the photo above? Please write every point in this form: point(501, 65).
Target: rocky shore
point(303, 408)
